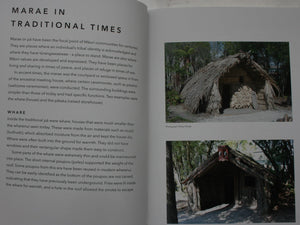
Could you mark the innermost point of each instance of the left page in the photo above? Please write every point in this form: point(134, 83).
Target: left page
point(73, 109)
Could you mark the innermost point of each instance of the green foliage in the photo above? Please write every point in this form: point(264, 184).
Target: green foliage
point(244, 146)
point(182, 60)
point(280, 154)
point(173, 98)
point(188, 155)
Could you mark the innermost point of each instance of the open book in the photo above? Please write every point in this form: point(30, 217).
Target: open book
point(112, 114)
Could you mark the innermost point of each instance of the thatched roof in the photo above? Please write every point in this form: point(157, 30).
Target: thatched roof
point(199, 86)
point(242, 161)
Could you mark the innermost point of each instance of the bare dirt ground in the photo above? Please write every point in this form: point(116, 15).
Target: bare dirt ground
point(232, 115)
point(234, 214)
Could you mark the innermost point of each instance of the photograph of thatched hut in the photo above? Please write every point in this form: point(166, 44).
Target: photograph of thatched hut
point(233, 82)
point(216, 183)
point(237, 78)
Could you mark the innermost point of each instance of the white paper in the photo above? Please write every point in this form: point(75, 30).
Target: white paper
point(212, 24)
point(82, 30)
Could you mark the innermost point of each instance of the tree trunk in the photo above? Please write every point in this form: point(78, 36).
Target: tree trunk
point(262, 198)
point(210, 148)
point(171, 199)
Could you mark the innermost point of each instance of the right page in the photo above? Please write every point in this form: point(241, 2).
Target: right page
point(224, 115)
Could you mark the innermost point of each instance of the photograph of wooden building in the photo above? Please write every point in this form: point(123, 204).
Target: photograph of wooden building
point(236, 81)
point(230, 177)
point(230, 181)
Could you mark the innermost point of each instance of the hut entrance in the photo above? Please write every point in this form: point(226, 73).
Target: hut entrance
point(216, 190)
point(226, 96)
point(229, 189)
